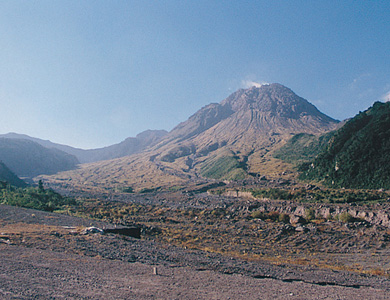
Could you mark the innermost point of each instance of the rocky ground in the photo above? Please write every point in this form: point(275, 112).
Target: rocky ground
point(227, 225)
point(48, 256)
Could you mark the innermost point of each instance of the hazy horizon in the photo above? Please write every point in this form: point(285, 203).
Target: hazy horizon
point(91, 74)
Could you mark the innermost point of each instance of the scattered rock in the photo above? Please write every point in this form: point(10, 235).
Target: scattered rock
point(287, 229)
point(55, 233)
point(91, 230)
point(302, 229)
point(4, 240)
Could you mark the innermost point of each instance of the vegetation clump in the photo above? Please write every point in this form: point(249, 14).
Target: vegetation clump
point(149, 190)
point(322, 195)
point(273, 216)
point(284, 218)
point(346, 217)
point(310, 214)
point(129, 190)
point(34, 197)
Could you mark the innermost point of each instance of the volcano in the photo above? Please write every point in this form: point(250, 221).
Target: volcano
point(230, 140)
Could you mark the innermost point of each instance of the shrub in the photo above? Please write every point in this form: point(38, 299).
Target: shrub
point(128, 190)
point(310, 214)
point(273, 216)
point(285, 218)
point(329, 217)
point(257, 214)
point(346, 218)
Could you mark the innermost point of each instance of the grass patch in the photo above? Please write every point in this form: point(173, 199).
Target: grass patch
point(223, 167)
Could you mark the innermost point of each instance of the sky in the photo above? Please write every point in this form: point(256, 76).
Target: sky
point(91, 73)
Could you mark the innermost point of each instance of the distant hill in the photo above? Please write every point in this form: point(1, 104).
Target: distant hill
point(225, 141)
point(127, 147)
point(28, 159)
point(358, 154)
point(7, 176)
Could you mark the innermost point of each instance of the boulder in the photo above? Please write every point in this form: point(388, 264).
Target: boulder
point(90, 230)
point(295, 219)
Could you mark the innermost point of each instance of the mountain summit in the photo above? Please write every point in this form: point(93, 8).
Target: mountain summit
point(226, 140)
point(247, 120)
point(271, 108)
point(274, 99)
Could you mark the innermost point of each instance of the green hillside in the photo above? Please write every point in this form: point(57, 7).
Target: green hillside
point(303, 147)
point(7, 177)
point(358, 155)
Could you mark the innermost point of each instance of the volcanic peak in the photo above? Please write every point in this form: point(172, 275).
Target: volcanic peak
point(265, 108)
point(274, 99)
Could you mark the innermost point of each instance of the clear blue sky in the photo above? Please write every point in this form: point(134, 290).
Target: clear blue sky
point(92, 73)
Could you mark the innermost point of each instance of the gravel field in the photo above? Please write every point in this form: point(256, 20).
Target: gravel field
point(42, 259)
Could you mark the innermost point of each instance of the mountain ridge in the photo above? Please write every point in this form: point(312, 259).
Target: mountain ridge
point(8, 177)
point(129, 146)
point(27, 158)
